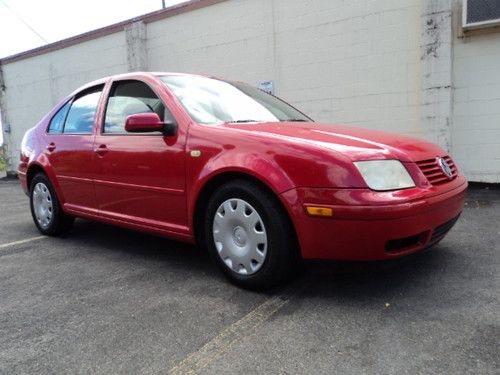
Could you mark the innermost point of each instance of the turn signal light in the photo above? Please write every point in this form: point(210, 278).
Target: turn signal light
point(319, 211)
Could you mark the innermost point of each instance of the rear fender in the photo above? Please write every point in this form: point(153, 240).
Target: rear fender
point(42, 162)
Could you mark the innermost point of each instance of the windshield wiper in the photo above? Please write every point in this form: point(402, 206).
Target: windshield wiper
point(241, 121)
point(285, 120)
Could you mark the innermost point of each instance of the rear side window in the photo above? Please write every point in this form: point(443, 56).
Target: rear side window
point(129, 98)
point(81, 115)
point(57, 123)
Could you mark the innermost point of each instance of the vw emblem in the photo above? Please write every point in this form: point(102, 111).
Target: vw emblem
point(445, 167)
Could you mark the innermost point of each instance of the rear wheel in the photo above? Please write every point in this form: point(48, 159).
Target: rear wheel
point(46, 209)
point(249, 235)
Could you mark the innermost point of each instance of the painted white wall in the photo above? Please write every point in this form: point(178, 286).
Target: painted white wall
point(388, 64)
point(35, 85)
point(355, 62)
point(476, 105)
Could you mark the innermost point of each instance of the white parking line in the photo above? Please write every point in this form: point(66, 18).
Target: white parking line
point(21, 242)
point(220, 344)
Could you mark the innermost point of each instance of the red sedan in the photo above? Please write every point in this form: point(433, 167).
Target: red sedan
point(241, 172)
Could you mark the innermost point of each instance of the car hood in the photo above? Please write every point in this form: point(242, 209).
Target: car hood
point(352, 142)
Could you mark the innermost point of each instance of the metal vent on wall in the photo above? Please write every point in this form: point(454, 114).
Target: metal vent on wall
point(481, 13)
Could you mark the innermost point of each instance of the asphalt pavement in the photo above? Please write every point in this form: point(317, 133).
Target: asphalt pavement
point(108, 300)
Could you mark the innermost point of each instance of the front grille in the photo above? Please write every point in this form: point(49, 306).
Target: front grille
point(435, 175)
point(441, 230)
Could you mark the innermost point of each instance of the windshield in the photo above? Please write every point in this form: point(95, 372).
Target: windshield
point(210, 101)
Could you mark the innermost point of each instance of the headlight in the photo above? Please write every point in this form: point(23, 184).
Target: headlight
point(385, 174)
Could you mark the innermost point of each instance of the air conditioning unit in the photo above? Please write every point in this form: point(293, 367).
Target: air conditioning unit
point(480, 14)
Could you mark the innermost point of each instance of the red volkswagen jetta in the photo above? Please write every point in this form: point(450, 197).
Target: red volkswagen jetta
point(241, 172)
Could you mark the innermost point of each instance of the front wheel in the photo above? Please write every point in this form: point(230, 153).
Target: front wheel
point(249, 235)
point(46, 209)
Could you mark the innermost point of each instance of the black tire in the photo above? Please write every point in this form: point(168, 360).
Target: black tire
point(59, 222)
point(281, 256)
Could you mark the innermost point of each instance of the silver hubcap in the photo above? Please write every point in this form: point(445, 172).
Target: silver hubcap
point(240, 236)
point(42, 204)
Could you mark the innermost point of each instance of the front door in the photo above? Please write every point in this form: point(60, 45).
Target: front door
point(140, 177)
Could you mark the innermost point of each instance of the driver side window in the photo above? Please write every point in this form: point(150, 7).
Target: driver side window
point(129, 98)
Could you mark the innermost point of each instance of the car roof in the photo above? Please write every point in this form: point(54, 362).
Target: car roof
point(133, 75)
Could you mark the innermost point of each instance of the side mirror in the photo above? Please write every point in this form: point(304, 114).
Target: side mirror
point(149, 122)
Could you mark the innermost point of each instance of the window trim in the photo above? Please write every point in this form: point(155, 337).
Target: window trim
point(128, 134)
point(70, 101)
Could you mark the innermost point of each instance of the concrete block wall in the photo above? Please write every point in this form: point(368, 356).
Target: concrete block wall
point(436, 59)
point(33, 86)
point(476, 105)
point(355, 62)
point(396, 65)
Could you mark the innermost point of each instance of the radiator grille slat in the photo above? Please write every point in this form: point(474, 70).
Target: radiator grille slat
point(433, 172)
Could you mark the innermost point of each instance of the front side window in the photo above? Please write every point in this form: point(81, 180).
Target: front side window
point(57, 123)
point(210, 101)
point(81, 115)
point(130, 98)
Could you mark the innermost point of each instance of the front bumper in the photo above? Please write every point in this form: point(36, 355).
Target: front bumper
point(368, 225)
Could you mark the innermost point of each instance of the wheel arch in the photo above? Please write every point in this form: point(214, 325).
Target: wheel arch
point(35, 168)
point(217, 180)
point(32, 171)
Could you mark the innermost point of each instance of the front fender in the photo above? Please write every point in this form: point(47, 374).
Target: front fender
point(278, 162)
point(264, 170)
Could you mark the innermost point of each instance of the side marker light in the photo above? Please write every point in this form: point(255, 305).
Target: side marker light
point(319, 211)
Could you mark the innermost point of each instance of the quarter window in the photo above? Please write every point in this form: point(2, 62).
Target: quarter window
point(129, 98)
point(57, 123)
point(81, 115)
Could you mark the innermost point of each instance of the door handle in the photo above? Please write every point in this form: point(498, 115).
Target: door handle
point(51, 147)
point(101, 150)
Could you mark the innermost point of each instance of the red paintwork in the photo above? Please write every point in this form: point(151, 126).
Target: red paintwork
point(151, 182)
point(143, 123)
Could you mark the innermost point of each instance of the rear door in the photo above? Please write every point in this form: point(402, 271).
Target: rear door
point(140, 178)
point(69, 148)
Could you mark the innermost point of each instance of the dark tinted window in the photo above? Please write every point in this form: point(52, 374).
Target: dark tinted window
point(57, 123)
point(80, 119)
point(129, 98)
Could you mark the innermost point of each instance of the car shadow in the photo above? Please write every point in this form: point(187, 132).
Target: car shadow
point(99, 237)
point(428, 278)
point(356, 281)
